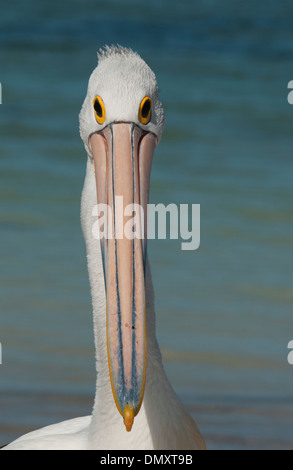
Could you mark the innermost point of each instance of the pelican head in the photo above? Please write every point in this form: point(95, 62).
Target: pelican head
point(121, 122)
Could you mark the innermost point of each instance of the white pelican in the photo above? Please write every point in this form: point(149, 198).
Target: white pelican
point(121, 122)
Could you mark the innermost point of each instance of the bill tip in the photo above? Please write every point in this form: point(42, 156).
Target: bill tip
point(128, 416)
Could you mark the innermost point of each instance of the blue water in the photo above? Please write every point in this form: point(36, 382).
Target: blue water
point(224, 312)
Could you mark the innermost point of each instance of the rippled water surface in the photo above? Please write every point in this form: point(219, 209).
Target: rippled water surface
point(224, 312)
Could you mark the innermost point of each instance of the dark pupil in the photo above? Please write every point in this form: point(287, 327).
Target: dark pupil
point(146, 109)
point(98, 108)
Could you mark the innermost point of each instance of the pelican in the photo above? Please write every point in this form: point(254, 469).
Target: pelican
point(121, 122)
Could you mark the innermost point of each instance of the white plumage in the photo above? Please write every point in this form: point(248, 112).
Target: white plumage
point(123, 79)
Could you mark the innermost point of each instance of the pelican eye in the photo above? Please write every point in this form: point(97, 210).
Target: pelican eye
point(100, 111)
point(145, 110)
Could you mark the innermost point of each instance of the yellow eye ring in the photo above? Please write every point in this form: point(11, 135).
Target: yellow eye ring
point(99, 108)
point(145, 110)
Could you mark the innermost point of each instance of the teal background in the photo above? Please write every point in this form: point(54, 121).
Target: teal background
point(224, 312)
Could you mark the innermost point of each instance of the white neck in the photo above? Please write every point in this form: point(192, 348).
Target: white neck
point(161, 423)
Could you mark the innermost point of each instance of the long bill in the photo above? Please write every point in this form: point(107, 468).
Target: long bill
point(123, 156)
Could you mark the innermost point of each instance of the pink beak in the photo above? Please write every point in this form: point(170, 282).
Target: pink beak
point(123, 155)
